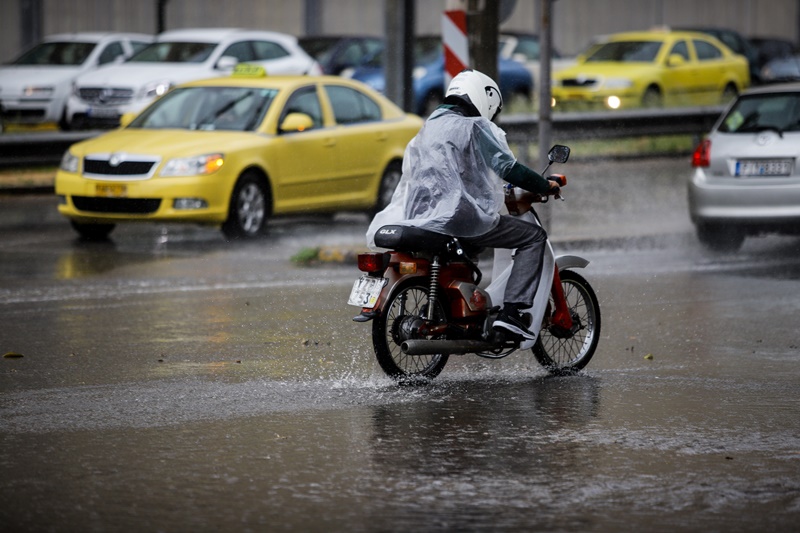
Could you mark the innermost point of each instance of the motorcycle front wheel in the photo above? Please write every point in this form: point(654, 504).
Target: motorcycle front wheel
point(403, 312)
point(564, 355)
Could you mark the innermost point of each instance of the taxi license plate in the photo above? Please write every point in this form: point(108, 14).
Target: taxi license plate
point(762, 167)
point(365, 291)
point(111, 190)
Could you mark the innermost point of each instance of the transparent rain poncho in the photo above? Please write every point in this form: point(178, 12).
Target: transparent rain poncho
point(451, 178)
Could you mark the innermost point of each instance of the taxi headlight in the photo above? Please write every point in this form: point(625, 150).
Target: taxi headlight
point(69, 162)
point(618, 83)
point(193, 166)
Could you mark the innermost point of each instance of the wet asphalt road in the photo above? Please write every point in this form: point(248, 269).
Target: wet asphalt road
point(172, 382)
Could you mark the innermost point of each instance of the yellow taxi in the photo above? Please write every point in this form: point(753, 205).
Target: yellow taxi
point(651, 69)
point(234, 151)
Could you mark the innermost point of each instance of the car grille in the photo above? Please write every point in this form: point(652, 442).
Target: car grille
point(103, 167)
point(578, 82)
point(105, 95)
point(138, 206)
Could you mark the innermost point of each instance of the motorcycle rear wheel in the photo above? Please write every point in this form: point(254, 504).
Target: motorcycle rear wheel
point(565, 356)
point(390, 329)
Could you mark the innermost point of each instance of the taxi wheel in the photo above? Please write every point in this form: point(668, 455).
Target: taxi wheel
point(728, 94)
point(389, 181)
point(652, 97)
point(249, 208)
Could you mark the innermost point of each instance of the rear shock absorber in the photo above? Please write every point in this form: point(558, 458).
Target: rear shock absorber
point(433, 293)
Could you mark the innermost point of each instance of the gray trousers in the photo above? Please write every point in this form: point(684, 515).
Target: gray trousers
point(529, 240)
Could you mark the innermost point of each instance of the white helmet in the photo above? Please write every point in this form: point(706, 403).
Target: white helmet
point(480, 90)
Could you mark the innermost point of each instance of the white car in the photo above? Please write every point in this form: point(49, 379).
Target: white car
point(100, 98)
point(746, 178)
point(35, 86)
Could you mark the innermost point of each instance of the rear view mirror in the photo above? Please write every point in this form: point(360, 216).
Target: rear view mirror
point(558, 154)
point(295, 122)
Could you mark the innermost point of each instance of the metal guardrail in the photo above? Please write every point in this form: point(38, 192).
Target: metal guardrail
point(46, 148)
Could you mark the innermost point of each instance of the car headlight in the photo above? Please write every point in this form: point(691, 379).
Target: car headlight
point(419, 72)
point(156, 89)
point(37, 92)
point(193, 166)
point(617, 83)
point(69, 162)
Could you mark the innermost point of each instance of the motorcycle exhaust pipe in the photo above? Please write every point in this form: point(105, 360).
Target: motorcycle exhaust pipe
point(445, 347)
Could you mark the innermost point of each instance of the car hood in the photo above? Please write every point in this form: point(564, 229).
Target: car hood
point(167, 143)
point(23, 76)
point(606, 70)
point(139, 74)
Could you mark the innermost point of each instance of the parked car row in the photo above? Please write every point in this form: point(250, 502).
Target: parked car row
point(90, 80)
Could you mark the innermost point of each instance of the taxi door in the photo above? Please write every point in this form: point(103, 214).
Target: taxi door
point(680, 78)
point(361, 144)
point(710, 70)
point(304, 160)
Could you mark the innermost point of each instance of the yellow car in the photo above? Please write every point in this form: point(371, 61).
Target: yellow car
point(651, 69)
point(234, 151)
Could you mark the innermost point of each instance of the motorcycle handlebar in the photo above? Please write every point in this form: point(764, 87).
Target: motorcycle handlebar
point(519, 201)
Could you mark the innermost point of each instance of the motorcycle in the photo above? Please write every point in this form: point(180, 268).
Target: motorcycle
point(424, 299)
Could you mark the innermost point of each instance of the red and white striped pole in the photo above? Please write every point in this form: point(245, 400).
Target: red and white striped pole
point(454, 43)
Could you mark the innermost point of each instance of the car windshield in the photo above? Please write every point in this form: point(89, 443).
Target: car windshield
point(319, 48)
point(208, 108)
point(426, 50)
point(178, 52)
point(761, 112)
point(56, 53)
point(626, 52)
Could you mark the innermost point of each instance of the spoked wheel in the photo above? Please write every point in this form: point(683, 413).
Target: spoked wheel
point(400, 321)
point(249, 209)
point(564, 354)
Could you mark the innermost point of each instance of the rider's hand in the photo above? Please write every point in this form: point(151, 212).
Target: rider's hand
point(555, 188)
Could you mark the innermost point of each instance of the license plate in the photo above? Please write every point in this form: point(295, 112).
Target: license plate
point(365, 291)
point(103, 112)
point(111, 190)
point(764, 167)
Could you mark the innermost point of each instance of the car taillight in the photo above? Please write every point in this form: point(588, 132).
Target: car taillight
point(702, 154)
point(373, 262)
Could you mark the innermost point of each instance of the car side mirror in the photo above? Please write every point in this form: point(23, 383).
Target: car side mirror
point(126, 119)
point(558, 154)
point(296, 122)
point(675, 60)
point(227, 63)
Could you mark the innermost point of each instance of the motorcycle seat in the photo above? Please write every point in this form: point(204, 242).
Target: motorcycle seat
point(413, 239)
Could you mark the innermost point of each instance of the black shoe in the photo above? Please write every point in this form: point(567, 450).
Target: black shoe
point(511, 321)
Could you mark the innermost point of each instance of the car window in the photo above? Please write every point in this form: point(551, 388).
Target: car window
point(351, 106)
point(266, 50)
point(753, 113)
point(241, 51)
point(306, 101)
point(626, 51)
point(57, 53)
point(139, 45)
point(174, 52)
point(706, 51)
point(110, 53)
point(680, 48)
point(208, 108)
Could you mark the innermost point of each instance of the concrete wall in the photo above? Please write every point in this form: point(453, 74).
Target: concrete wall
point(575, 22)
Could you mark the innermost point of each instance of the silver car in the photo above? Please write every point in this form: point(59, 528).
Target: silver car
point(746, 177)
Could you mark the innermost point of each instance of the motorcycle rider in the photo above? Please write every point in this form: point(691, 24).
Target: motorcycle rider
point(451, 184)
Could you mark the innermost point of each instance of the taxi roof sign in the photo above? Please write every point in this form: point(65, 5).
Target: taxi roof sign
point(247, 70)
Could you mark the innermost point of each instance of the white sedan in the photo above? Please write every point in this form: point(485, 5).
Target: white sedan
point(100, 98)
point(35, 86)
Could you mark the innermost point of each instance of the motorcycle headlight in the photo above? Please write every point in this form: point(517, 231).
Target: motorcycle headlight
point(69, 162)
point(193, 166)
